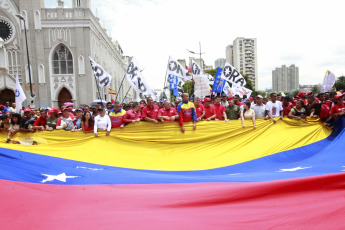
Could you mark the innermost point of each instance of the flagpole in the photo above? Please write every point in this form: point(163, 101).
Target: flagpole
point(126, 94)
point(120, 87)
point(165, 80)
point(202, 66)
point(99, 93)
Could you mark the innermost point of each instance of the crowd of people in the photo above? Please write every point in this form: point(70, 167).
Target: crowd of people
point(96, 118)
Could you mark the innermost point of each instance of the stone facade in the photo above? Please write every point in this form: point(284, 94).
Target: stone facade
point(59, 41)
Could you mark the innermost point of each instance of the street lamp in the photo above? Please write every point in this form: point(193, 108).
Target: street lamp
point(27, 54)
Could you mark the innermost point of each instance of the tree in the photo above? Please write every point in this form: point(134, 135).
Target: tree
point(340, 83)
point(212, 72)
point(295, 92)
point(315, 89)
point(249, 84)
point(188, 87)
point(259, 92)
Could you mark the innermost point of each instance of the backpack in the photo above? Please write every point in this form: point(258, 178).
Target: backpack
point(324, 113)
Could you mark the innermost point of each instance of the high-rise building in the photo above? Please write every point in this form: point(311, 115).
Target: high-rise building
point(60, 40)
point(285, 79)
point(182, 62)
point(229, 54)
point(242, 54)
point(199, 61)
point(219, 63)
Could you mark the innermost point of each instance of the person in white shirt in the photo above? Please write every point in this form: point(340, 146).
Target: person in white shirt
point(102, 122)
point(224, 101)
point(274, 108)
point(247, 114)
point(259, 108)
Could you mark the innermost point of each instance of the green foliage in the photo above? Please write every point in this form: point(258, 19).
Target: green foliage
point(212, 72)
point(259, 92)
point(188, 87)
point(315, 89)
point(340, 83)
point(249, 84)
point(294, 93)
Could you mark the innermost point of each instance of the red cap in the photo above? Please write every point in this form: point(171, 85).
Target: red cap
point(70, 108)
point(27, 110)
point(230, 98)
point(309, 93)
point(250, 98)
point(300, 93)
point(53, 110)
point(338, 95)
point(65, 109)
point(207, 99)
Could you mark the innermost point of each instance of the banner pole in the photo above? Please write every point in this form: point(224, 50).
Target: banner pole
point(120, 87)
point(123, 79)
point(126, 94)
point(99, 93)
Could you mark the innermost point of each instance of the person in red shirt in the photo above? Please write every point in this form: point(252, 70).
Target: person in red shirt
point(40, 122)
point(287, 105)
point(167, 113)
point(200, 109)
point(338, 108)
point(133, 115)
point(150, 112)
point(237, 101)
point(210, 114)
point(219, 110)
point(302, 96)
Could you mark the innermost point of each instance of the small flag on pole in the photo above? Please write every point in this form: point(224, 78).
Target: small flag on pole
point(112, 101)
point(20, 95)
point(111, 91)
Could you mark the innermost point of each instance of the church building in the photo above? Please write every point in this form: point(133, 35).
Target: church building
point(60, 41)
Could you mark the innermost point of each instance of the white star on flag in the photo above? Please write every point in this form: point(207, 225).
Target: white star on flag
point(172, 65)
point(61, 177)
point(293, 169)
point(227, 71)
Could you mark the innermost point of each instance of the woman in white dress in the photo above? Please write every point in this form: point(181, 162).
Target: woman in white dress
point(247, 114)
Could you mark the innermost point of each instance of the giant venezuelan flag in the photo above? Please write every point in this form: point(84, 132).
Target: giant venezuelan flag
point(288, 175)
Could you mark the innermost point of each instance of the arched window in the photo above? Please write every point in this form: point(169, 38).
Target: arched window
point(81, 65)
point(37, 17)
point(41, 74)
point(62, 60)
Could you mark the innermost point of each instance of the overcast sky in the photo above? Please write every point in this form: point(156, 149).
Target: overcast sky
point(309, 34)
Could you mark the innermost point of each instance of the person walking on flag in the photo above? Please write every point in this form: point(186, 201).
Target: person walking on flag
point(20, 95)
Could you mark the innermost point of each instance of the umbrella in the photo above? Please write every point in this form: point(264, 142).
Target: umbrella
point(98, 101)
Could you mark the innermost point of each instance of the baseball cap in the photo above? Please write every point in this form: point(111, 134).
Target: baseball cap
point(54, 110)
point(230, 98)
point(27, 110)
point(300, 93)
point(338, 95)
point(259, 96)
point(100, 108)
point(207, 99)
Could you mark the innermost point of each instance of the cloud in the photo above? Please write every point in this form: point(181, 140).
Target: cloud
point(151, 30)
